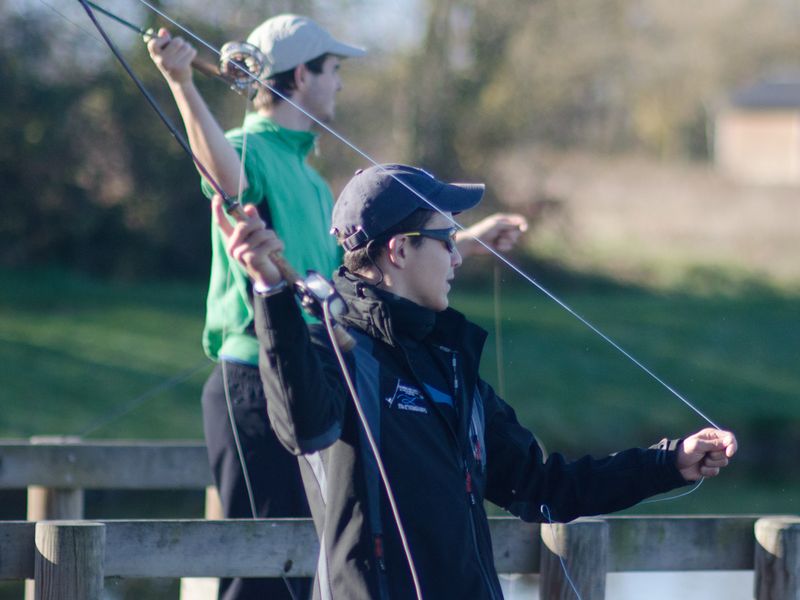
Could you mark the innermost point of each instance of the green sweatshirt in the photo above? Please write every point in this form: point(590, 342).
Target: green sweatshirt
point(300, 204)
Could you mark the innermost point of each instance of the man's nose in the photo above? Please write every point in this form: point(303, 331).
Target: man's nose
point(455, 258)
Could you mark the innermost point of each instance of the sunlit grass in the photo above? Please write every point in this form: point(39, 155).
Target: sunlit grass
point(75, 351)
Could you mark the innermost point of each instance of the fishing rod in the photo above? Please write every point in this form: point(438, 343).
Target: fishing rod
point(239, 62)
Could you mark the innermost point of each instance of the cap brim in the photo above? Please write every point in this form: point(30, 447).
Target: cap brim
point(458, 197)
point(345, 50)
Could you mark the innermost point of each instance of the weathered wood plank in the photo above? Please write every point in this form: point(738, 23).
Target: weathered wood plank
point(104, 465)
point(516, 547)
point(197, 548)
point(706, 543)
point(17, 549)
point(262, 548)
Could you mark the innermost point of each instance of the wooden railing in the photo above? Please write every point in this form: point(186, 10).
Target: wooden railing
point(69, 558)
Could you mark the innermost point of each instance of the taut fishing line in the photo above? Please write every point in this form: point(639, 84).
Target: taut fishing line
point(486, 246)
point(374, 162)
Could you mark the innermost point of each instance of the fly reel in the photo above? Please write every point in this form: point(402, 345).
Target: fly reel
point(241, 65)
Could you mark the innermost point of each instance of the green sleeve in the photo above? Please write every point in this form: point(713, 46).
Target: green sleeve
point(253, 194)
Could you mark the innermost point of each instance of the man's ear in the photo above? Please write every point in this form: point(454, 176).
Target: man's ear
point(300, 76)
point(396, 251)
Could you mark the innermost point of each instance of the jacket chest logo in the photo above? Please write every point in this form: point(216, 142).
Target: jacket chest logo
point(407, 397)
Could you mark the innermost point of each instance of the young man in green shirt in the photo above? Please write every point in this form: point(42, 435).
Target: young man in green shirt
point(303, 64)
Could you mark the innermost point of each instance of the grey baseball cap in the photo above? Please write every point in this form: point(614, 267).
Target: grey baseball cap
point(291, 40)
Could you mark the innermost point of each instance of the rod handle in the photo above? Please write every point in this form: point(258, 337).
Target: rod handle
point(206, 68)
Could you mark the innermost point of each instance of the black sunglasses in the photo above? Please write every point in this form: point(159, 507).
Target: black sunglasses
point(448, 236)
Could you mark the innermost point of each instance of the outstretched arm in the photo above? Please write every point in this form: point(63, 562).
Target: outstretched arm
point(520, 480)
point(173, 57)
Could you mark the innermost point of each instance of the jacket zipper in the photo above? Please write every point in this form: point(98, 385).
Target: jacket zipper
point(471, 502)
point(471, 508)
point(471, 496)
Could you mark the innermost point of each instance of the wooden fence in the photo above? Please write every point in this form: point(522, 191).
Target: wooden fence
point(69, 558)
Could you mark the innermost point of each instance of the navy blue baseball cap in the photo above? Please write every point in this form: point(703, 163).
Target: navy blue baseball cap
point(376, 199)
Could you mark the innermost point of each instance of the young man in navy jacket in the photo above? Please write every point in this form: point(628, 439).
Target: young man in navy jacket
point(447, 440)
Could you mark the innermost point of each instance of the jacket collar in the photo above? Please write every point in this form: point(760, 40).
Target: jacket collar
point(388, 318)
point(297, 141)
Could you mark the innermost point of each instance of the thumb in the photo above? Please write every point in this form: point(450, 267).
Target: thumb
point(520, 221)
point(250, 210)
point(220, 216)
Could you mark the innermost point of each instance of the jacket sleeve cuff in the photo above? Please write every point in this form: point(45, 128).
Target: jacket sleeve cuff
point(277, 316)
point(666, 453)
point(307, 446)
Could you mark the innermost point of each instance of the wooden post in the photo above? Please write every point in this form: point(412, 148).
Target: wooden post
point(47, 504)
point(583, 546)
point(213, 504)
point(55, 503)
point(69, 560)
point(204, 588)
point(777, 558)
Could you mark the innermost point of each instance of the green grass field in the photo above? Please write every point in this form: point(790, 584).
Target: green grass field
point(77, 355)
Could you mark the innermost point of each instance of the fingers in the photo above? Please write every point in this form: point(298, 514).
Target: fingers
point(508, 223)
point(223, 220)
point(250, 210)
point(714, 463)
point(505, 230)
point(518, 222)
point(706, 453)
point(173, 56)
point(731, 445)
point(158, 42)
point(177, 52)
point(701, 446)
point(709, 440)
point(247, 243)
point(247, 237)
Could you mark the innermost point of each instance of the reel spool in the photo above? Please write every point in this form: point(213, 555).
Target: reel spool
point(237, 57)
point(314, 291)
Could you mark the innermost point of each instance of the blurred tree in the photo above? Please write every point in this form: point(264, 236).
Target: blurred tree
point(611, 76)
point(93, 181)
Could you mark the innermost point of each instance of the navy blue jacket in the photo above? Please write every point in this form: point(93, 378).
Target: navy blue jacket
point(447, 440)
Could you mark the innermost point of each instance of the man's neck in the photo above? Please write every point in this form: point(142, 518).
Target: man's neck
point(287, 116)
point(382, 280)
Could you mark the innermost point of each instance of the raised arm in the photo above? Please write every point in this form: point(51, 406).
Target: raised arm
point(301, 376)
point(173, 57)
